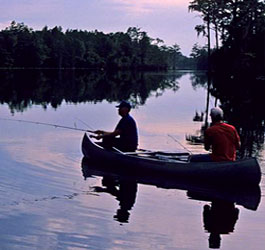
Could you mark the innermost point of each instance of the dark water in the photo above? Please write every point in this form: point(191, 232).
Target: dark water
point(47, 203)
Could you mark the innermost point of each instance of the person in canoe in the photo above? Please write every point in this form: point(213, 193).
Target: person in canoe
point(126, 129)
point(221, 138)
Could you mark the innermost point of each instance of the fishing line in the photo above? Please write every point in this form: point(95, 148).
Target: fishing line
point(47, 124)
point(84, 123)
point(172, 137)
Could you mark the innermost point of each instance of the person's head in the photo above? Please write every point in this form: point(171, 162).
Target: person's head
point(216, 114)
point(124, 108)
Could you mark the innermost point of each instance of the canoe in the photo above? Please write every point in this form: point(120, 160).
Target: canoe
point(244, 172)
point(248, 197)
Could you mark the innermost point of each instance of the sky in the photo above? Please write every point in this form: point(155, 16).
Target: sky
point(168, 20)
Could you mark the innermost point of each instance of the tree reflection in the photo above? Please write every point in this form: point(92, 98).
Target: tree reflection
point(242, 104)
point(200, 80)
point(21, 89)
point(242, 108)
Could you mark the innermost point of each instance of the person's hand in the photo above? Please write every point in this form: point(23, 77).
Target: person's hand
point(99, 132)
point(98, 137)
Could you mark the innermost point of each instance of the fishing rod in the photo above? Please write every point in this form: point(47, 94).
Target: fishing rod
point(172, 137)
point(47, 124)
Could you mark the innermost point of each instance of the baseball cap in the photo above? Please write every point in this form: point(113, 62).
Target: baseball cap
point(124, 104)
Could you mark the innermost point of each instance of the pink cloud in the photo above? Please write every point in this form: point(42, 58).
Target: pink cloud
point(149, 5)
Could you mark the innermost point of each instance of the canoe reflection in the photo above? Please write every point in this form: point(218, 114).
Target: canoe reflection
point(219, 217)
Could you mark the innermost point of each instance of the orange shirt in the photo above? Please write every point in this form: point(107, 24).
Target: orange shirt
point(224, 140)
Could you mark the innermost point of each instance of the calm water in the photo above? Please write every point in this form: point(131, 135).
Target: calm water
point(45, 202)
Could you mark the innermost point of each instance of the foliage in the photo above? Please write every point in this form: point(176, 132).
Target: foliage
point(238, 67)
point(241, 27)
point(20, 89)
point(22, 47)
point(199, 54)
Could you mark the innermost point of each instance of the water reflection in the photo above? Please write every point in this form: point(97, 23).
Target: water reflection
point(241, 98)
point(81, 222)
point(219, 217)
point(21, 89)
point(241, 105)
point(124, 191)
point(200, 80)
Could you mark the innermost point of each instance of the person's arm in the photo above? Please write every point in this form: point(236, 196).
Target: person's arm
point(207, 143)
point(102, 133)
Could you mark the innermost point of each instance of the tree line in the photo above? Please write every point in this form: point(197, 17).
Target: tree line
point(21, 46)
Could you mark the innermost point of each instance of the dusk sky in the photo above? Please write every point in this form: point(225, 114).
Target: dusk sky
point(168, 20)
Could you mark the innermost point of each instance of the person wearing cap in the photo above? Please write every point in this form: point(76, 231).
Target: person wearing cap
point(126, 129)
point(221, 137)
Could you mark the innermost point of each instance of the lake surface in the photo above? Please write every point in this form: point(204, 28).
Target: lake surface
point(46, 203)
